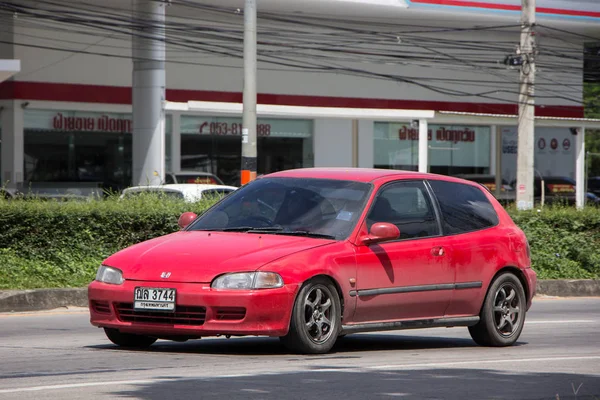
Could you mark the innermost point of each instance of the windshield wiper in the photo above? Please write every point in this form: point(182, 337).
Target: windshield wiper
point(280, 231)
point(275, 230)
point(251, 229)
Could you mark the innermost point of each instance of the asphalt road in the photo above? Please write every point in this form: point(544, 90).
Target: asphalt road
point(58, 355)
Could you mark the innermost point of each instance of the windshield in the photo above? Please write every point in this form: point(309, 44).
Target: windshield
point(327, 208)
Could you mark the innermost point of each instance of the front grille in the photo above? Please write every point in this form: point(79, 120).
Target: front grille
point(183, 315)
point(101, 307)
point(230, 313)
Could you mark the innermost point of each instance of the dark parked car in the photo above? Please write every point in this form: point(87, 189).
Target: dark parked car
point(559, 190)
point(593, 185)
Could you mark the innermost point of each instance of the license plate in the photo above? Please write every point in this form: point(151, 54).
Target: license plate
point(156, 299)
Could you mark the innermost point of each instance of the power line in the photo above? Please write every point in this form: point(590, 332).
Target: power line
point(120, 26)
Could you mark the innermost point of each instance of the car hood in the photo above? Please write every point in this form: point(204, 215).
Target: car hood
point(198, 257)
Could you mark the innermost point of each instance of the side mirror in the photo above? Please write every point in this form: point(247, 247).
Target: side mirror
point(381, 232)
point(185, 219)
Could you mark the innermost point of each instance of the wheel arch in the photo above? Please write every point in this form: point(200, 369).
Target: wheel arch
point(516, 272)
point(335, 283)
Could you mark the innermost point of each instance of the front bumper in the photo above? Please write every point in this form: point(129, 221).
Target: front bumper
point(215, 312)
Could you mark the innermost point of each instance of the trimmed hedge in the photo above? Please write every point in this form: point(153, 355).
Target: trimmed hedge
point(565, 242)
point(47, 244)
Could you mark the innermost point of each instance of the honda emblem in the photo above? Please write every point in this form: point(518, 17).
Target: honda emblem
point(165, 275)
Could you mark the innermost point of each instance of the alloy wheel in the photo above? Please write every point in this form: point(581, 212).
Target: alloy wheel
point(317, 314)
point(507, 310)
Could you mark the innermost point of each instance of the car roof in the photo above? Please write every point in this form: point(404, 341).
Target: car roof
point(196, 173)
point(182, 187)
point(355, 174)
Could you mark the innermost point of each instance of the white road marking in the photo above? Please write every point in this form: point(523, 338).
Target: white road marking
point(556, 321)
point(474, 362)
point(77, 385)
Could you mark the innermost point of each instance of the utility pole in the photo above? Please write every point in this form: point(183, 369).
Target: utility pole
point(249, 111)
point(526, 132)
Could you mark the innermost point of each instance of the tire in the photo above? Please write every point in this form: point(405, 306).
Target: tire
point(316, 318)
point(128, 339)
point(502, 315)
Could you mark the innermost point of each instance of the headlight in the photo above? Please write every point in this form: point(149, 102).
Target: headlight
point(248, 280)
point(109, 275)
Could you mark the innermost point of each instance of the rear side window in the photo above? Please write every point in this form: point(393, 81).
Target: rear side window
point(464, 208)
point(169, 179)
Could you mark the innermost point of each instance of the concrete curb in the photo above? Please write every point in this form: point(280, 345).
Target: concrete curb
point(42, 299)
point(48, 299)
point(569, 288)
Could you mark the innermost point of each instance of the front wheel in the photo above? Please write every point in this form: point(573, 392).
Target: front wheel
point(128, 339)
point(316, 318)
point(503, 313)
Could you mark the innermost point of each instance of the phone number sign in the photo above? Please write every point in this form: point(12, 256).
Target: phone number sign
point(230, 128)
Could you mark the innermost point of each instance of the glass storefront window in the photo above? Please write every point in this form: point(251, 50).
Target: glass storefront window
point(213, 144)
point(80, 147)
point(453, 149)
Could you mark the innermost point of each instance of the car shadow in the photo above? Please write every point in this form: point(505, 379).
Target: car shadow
point(264, 346)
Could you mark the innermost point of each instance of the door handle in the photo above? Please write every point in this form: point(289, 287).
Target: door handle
point(438, 251)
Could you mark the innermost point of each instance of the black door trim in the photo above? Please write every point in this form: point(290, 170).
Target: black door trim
point(419, 288)
point(412, 324)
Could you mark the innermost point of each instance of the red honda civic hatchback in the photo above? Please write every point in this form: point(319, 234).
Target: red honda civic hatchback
point(310, 255)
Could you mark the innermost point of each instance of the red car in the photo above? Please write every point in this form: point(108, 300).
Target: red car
point(313, 254)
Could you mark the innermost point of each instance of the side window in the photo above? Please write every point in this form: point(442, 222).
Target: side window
point(406, 205)
point(169, 179)
point(465, 208)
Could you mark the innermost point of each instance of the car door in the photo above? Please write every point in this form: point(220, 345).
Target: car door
point(474, 244)
point(408, 278)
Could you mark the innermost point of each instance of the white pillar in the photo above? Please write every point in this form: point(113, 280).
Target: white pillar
point(366, 143)
point(423, 146)
point(149, 80)
point(355, 147)
point(493, 150)
point(580, 168)
point(12, 174)
point(175, 143)
point(497, 134)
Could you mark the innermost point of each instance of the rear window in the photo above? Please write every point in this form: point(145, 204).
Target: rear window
point(202, 179)
point(465, 208)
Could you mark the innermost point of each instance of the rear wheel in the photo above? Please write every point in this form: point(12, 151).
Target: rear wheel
point(316, 318)
point(503, 313)
point(128, 339)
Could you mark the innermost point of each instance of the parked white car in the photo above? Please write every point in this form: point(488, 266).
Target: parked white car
point(189, 192)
